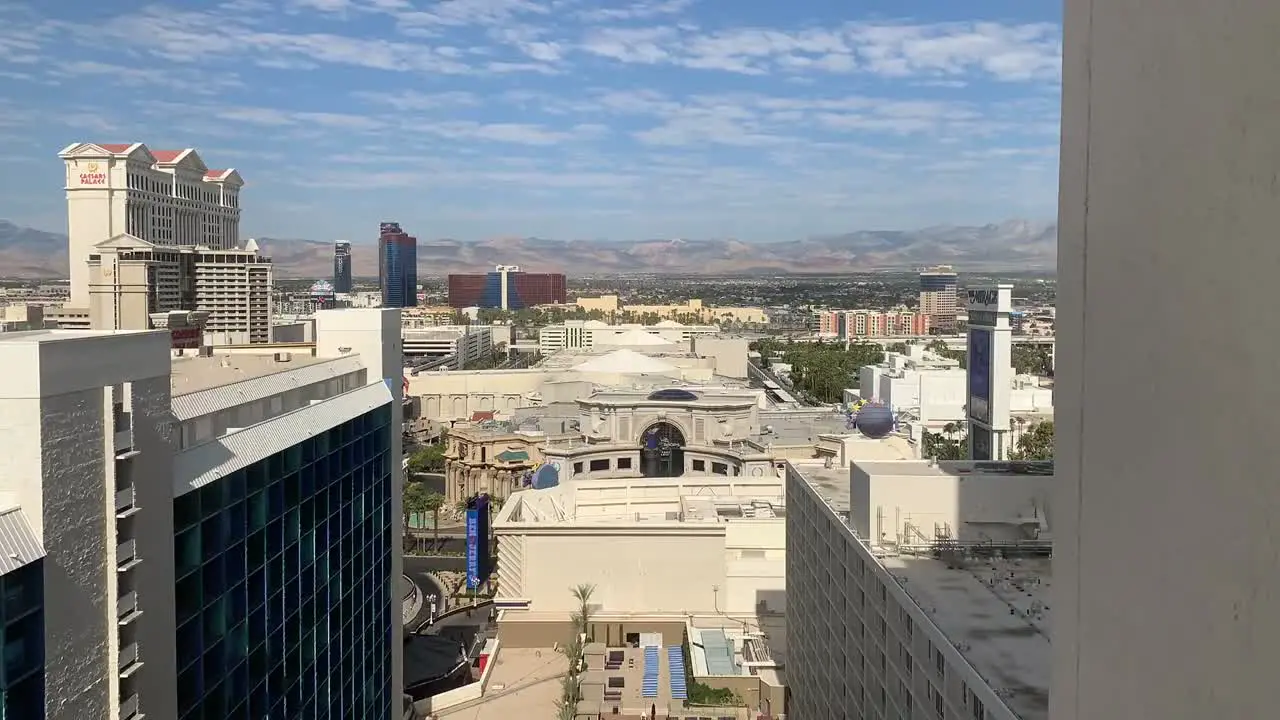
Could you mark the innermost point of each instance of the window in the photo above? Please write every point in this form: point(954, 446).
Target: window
point(940, 662)
point(979, 712)
point(598, 465)
point(719, 469)
point(577, 468)
point(624, 463)
point(937, 704)
point(700, 465)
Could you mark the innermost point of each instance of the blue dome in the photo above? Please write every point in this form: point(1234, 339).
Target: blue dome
point(875, 420)
point(672, 395)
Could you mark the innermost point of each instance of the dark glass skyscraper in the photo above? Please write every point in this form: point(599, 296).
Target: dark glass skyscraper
point(342, 266)
point(397, 266)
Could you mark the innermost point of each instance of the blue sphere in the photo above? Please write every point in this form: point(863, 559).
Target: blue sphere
point(875, 420)
point(547, 476)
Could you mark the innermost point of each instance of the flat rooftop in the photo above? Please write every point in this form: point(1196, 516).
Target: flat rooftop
point(524, 683)
point(997, 614)
point(995, 610)
point(193, 374)
point(38, 336)
point(689, 499)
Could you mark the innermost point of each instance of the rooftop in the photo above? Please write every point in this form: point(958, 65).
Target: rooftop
point(193, 374)
point(706, 500)
point(524, 683)
point(994, 609)
point(997, 614)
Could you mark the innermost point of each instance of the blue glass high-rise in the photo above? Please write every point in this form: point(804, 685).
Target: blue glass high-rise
point(397, 266)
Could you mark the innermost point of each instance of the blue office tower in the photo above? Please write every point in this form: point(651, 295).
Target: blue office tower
point(397, 266)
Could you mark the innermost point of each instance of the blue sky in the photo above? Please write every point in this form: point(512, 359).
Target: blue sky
point(624, 120)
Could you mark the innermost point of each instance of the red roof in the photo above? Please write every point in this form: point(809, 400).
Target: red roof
point(215, 174)
point(480, 415)
point(115, 147)
point(166, 156)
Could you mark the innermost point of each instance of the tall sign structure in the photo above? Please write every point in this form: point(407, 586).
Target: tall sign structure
point(990, 370)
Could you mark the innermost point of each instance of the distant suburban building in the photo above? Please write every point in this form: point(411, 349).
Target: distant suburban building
point(938, 297)
point(506, 288)
point(397, 266)
point(342, 266)
point(846, 324)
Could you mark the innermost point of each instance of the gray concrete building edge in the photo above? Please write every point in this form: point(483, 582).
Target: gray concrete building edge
point(1166, 569)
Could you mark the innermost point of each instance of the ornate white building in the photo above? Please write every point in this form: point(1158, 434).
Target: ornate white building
point(165, 197)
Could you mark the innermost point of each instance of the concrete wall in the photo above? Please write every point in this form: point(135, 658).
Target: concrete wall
point(59, 463)
point(1167, 264)
point(755, 566)
point(632, 572)
point(151, 475)
point(974, 507)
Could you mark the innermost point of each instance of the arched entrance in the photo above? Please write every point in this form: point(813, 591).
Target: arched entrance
point(662, 451)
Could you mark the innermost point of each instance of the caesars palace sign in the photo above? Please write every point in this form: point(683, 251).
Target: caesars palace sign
point(93, 174)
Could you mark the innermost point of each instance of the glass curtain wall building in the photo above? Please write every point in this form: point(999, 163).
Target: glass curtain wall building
point(22, 615)
point(283, 587)
point(342, 266)
point(397, 266)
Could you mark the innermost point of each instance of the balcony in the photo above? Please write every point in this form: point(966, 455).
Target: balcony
point(129, 708)
point(129, 662)
point(127, 608)
point(124, 503)
point(127, 555)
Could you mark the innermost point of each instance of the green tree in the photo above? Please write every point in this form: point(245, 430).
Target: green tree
point(583, 595)
point(1031, 359)
point(415, 503)
point(1036, 443)
point(432, 504)
point(942, 447)
point(429, 459)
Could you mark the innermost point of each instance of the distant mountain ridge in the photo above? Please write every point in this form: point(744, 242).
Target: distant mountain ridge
point(1010, 245)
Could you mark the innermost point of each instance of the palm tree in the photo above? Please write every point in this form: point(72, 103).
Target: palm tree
point(415, 503)
point(432, 504)
point(583, 594)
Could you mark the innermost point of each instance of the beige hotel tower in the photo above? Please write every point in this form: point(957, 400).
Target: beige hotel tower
point(154, 238)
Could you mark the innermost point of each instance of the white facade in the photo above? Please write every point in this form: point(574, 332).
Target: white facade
point(234, 287)
point(937, 390)
point(666, 546)
point(887, 631)
point(168, 197)
point(104, 430)
point(1167, 258)
point(468, 344)
point(79, 468)
point(588, 334)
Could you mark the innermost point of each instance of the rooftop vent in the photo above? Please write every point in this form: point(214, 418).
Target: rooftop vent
point(283, 357)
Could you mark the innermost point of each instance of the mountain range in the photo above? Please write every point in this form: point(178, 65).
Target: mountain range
point(1013, 244)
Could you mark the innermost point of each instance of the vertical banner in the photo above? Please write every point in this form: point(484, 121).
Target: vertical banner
point(473, 547)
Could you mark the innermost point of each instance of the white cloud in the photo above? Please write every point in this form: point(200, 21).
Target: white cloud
point(1004, 52)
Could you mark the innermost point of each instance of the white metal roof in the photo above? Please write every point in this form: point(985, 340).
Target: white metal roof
point(624, 362)
point(211, 461)
point(223, 397)
point(634, 337)
point(18, 542)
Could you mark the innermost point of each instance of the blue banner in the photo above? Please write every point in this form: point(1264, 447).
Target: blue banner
point(473, 548)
